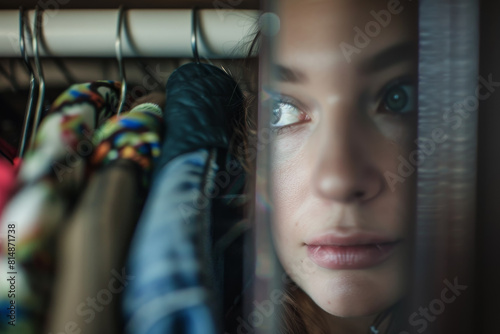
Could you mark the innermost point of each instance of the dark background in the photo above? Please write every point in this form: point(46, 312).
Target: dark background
point(487, 304)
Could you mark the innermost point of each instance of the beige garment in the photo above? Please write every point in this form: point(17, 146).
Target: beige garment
point(92, 249)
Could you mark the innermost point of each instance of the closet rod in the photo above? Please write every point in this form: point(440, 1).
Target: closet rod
point(160, 33)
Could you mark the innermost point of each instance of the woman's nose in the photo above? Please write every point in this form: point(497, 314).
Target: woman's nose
point(344, 168)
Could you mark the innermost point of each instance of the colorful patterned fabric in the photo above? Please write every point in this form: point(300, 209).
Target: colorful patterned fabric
point(64, 139)
point(133, 136)
point(62, 144)
point(50, 178)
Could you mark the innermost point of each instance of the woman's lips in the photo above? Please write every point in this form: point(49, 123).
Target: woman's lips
point(350, 252)
point(350, 257)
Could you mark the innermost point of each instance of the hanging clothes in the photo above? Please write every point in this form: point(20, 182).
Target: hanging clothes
point(8, 177)
point(175, 286)
point(63, 141)
point(91, 250)
point(52, 174)
point(7, 151)
point(135, 136)
point(232, 242)
point(168, 294)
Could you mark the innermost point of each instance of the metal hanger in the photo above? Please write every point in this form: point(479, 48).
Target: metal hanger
point(39, 69)
point(119, 57)
point(29, 106)
point(194, 34)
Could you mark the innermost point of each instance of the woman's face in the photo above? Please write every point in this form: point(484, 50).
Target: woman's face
point(345, 120)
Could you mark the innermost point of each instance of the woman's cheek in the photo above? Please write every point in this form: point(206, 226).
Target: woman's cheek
point(400, 130)
point(285, 149)
point(285, 185)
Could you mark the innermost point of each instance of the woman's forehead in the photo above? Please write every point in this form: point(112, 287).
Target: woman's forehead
point(332, 12)
point(340, 31)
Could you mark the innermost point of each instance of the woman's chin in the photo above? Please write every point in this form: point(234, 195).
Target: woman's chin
point(358, 296)
point(353, 310)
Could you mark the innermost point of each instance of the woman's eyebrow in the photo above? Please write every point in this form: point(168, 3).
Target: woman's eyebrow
point(392, 55)
point(285, 74)
point(388, 57)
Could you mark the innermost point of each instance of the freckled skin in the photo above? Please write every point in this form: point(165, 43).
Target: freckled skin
point(345, 148)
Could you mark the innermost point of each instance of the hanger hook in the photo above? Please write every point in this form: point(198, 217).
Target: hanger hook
point(22, 42)
point(39, 69)
point(29, 107)
point(119, 57)
point(194, 34)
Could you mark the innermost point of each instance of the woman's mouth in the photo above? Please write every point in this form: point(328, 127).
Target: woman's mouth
point(349, 253)
point(350, 257)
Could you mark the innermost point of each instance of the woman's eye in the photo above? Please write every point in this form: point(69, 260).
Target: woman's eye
point(400, 98)
point(285, 114)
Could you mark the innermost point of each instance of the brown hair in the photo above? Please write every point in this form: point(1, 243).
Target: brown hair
point(300, 314)
point(245, 124)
